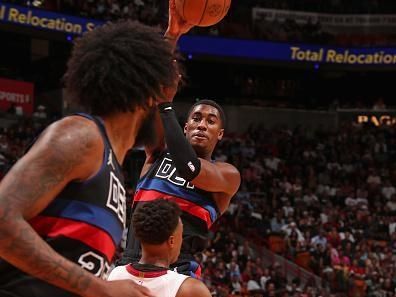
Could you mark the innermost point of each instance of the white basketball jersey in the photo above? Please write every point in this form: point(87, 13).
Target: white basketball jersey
point(164, 283)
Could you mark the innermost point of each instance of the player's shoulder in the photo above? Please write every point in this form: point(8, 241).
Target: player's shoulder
point(229, 171)
point(192, 287)
point(225, 165)
point(74, 140)
point(74, 130)
point(118, 273)
point(75, 123)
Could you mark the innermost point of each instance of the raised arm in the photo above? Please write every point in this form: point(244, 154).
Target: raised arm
point(68, 150)
point(221, 178)
point(176, 25)
point(176, 28)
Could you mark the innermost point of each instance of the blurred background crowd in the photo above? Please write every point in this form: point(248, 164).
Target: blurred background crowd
point(322, 199)
point(316, 211)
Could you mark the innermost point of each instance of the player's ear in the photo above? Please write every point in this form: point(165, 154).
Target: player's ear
point(171, 241)
point(220, 135)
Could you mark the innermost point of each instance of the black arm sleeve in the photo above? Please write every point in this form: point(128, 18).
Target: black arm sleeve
point(183, 155)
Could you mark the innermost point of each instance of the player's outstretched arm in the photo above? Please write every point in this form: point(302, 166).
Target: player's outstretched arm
point(66, 151)
point(176, 28)
point(192, 287)
point(176, 25)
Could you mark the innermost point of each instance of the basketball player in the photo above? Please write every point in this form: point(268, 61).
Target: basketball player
point(186, 173)
point(158, 227)
point(62, 206)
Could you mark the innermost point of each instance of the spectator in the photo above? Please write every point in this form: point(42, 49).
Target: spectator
point(319, 240)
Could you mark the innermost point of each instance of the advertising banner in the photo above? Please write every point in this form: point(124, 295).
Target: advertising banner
point(386, 117)
point(276, 51)
point(46, 20)
point(16, 93)
point(216, 46)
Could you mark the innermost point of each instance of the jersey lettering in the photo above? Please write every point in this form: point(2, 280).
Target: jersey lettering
point(116, 199)
point(168, 172)
point(95, 264)
point(110, 160)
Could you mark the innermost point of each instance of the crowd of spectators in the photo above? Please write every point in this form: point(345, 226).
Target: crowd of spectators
point(329, 196)
point(323, 199)
point(239, 22)
point(330, 6)
point(319, 6)
point(14, 140)
point(233, 266)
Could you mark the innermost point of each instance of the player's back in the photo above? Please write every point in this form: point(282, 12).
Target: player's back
point(161, 281)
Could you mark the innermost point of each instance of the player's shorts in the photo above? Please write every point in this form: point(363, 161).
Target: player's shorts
point(189, 268)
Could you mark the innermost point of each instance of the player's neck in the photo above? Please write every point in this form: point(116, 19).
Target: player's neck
point(122, 130)
point(206, 155)
point(157, 260)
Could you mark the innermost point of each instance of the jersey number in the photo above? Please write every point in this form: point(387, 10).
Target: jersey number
point(116, 199)
point(95, 264)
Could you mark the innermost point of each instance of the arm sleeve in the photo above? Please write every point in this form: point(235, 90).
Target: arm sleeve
point(183, 155)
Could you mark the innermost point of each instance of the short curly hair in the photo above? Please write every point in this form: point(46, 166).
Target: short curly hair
point(155, 221)
point(211, 103)
point(119, 66)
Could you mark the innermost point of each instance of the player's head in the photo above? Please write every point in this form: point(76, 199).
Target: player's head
point(158, 226)
point(119, 67)
point(205, 126)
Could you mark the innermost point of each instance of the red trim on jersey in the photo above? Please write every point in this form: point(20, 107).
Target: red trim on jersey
point(198, 272)
point(145, 274)
point(185, 205)
point(89, 235)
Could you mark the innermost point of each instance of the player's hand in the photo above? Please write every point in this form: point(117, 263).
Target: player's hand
point(125, 288)
point(176, 25)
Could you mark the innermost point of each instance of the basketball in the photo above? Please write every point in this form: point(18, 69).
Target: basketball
point(203, 13)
